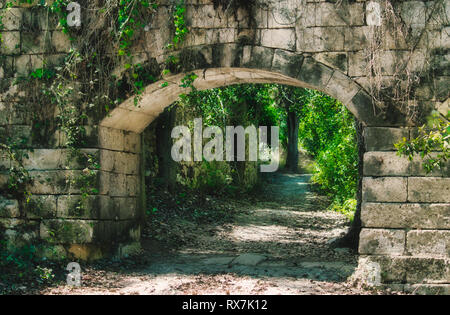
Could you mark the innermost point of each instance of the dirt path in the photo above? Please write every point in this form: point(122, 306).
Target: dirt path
point(278, 245)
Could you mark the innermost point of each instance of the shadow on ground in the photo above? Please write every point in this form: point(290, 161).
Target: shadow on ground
point(277, 244)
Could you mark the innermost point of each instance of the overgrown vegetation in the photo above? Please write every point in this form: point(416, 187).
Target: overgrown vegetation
point(326, 130)
point(432, 143)
point(84, 86)
point(23, 270)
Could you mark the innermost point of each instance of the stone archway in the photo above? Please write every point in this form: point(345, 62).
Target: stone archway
point(405, 215)
point(156, 97)
point(397, 197)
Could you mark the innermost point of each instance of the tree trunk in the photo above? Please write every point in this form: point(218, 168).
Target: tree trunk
point(292, 148)
point(351, 239)
point(167, 167)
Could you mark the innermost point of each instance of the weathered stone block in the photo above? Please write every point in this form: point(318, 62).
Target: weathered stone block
point(257, 57)
point(430, 189)
point(314, 74)
point(426, 243)
point(336, 60)
point(366, 110)
point(385, 189)
point(111, 139)
point(67, 231)
point(84, 159)
point(37, 18)
point(205, 16)
point(407, 269)
point(413, 13)
point(357, 37)
point(105, 182)
point(379, 269)
point(107, 160)
point(11, 43)
point(133, 186)
point(382, 242)
point(412, 216)
point(418, 169)
point(126, 163)
point(32, 43)
point(287, 63)
point(132, 142)
point(126, 207)
point(77, 207)
point(62, 182)
point(118, 185)
point(41, 207)
point(385, 164)
point(330, 14)
point(199, 36)
point(25, 64)
point(12, 19)
point(427, 270)
point(383, 139)
point(4, 179)
point(357, 64)
point(279, 38)
point(18, 233)
point(85, 252)
point(9, 208)
point(44, 159)
point(344, 89)
point(319, 39)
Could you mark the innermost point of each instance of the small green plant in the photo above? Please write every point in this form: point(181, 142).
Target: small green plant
point(179, 24)
point(432, 143)
point(19, 177)
point(45, 275)
point(209, 178)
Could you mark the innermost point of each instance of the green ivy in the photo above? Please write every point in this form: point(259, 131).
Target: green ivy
point(432, 143)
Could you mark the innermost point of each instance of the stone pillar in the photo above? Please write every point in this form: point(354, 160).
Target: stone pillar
point(405, 240)
point(102, 223)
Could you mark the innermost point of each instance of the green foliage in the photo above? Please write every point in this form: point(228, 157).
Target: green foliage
point(20, 264)
point(243, 105)
point(210, 178)
point(433, 137)
point(179, 24)
point(19, 177)
point(129, 20)
point(327, 132)
point(347, 208)
point(238, 104)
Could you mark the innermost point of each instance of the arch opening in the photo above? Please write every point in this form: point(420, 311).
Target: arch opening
point(272, 226)
point(157, 96)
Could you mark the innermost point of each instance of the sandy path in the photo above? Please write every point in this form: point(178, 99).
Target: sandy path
point(278, 245)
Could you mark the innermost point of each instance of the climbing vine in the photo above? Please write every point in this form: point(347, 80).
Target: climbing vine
point(87, 84)
point(399, 90)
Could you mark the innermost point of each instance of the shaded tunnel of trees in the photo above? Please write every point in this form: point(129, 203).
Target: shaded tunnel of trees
point(310, 121)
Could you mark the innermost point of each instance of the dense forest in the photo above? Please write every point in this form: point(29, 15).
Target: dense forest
point(310, 122)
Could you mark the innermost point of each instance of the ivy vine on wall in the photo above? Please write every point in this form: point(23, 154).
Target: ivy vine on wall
point(85, 85)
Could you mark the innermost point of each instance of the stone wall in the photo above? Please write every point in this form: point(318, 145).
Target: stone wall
point(315, 44)
point(405, 215)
